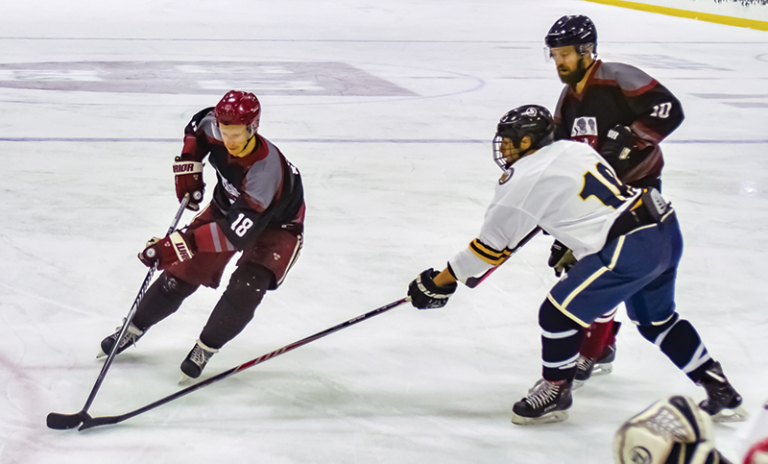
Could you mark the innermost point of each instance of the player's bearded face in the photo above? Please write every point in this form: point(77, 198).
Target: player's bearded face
point(570, 65)
point(236, 139)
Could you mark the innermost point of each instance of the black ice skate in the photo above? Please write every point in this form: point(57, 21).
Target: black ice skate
point(587, 367)
point(723, 402)
point(130, 337)
point(195, 361)
point(546, 402)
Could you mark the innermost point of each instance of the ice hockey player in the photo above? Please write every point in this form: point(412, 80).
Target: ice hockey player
point(672, 430)
point(627, 244)
point(624, 114)
point(257, 209)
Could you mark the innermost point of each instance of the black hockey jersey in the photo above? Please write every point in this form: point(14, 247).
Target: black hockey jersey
point(617, 93)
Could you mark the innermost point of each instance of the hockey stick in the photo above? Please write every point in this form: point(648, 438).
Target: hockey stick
point(90, 422)
point(60, 421)
point(473, 282)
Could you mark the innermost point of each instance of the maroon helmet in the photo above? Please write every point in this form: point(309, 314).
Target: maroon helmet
point(238, 108)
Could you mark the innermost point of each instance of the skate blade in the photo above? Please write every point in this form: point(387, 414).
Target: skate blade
point(185, 380)
point(602, 369)
point(737, 414)
point(549, 418)
point(578, 384)
point(101, 354)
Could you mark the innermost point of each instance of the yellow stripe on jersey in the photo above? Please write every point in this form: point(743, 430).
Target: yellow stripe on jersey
point(488, 254)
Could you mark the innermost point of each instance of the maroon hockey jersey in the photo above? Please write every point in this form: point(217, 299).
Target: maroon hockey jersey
point(258, 190)
point(617, 93)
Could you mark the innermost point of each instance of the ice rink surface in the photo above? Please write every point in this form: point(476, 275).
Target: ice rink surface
point(388, 109)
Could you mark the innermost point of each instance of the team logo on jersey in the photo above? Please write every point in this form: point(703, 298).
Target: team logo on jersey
point(585, 130)
point(506, 176)
point(585, 125)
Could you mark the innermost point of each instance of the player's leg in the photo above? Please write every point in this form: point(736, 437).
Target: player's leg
point(592, 287)
point(598, 350)
point(168, 291)
point(161, 300)
point(262, 267)
point(653, 309)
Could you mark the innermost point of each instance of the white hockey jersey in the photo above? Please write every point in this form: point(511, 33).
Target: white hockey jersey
point(565, 188)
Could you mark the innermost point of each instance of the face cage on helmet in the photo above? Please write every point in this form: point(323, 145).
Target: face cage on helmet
point(498, 156)
point(581, 49)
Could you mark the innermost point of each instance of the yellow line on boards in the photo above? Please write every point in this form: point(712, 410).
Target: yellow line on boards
point(712, 18)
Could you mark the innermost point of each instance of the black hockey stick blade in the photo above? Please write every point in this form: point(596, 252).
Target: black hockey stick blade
point(58, 421)
point(473, 282)
point(91, 422)
point(105, 420)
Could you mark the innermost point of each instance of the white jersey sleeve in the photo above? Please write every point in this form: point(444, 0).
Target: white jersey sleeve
point(565, 188)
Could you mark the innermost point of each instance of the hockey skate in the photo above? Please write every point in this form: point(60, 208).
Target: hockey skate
point(546, 403)
point(587, 367)
point(130, 337)
point(723, 402)
point(195, 362)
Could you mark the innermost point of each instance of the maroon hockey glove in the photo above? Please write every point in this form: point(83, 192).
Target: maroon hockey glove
point(167, 251)
point(622, 149)
point(189, 179)
point(425, 294)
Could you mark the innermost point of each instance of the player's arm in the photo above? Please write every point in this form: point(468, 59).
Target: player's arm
point(431, 289)
point(656, 113)
point(188, 167)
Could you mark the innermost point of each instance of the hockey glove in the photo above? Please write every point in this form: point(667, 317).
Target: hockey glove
point(621, 149)
point(167, 251)
point(189, 179)
point(560, 258)
point(425, 294)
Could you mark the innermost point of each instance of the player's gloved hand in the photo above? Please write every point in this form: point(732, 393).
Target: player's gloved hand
point(425, 294)
point(624, 150)
point(189, 179)
point(560, 258)
point(167, 251)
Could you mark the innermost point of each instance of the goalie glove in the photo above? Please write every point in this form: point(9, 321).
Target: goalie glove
point(622, 151)
point(167, 251)
point(670, 430)
point(189, 179)
point(425, 294)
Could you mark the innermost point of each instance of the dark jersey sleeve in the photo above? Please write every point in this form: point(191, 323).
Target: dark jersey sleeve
point(196, 136)
point(656, 111)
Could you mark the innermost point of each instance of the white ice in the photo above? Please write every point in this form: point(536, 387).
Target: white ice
point(395, 183)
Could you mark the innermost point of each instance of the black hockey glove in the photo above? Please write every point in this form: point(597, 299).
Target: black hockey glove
point(560, 258)
point(425, 294)
point(621, 150)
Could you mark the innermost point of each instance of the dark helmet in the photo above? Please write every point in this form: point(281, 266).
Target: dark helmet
point(532, 120)
point(238, 108)
point(576, 30)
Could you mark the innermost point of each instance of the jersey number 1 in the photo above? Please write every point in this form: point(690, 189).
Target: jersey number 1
point(605, 187)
